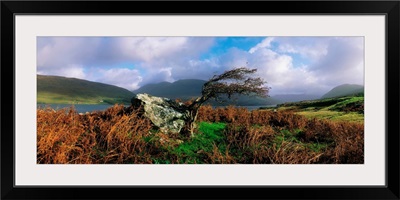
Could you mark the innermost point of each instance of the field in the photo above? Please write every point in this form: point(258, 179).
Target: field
point(316, 132)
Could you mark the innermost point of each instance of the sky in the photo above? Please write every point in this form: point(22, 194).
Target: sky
point(289, 65)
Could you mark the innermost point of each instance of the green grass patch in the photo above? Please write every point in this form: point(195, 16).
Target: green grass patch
point(317, 147)
point(321, 103)
point(210, 135)
point(161, 161)
point(336, 109)
point(333, 115)
point(355, 104)
point(287, 136)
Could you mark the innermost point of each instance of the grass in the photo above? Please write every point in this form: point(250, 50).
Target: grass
point(333, 115)
point(227, 135)
point(294, 137)
point(346, 109)
point(353, 104)
point(210, 136)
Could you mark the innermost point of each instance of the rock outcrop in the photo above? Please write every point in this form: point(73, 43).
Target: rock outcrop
point(166, 114)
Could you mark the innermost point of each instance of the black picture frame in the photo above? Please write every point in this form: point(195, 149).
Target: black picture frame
point(9, 9)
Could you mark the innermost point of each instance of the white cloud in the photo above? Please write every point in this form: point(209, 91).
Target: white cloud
point(330, 61)
point(344, 62)
point(150, 48)
point(122, 77)
point(155, 49)
point(72, 71)
point(159, 75)
point(280, 74)
point(308, 47)
point(333, 61)
point(266, 43)
point(60, 52)
point(156, 56)
point(77, 72)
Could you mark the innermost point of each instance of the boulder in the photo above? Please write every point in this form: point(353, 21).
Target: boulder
point(164, 113)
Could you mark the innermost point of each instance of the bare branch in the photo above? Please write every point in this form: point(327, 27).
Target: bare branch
point(236, 81)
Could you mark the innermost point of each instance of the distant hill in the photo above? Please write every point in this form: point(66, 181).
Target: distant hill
point(57, 89)
point(184, 89)
point(246, 100)
point(284, 98)
point(187, 89)
point(344, 90)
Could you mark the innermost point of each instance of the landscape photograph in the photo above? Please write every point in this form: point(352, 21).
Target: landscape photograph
point(200, 100)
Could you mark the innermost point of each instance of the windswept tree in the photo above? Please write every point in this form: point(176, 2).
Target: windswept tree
point(235, 81)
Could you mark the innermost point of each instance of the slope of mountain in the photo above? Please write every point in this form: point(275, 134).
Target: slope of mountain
point(187, 89)
point(344, 90)
point(283, 98)
point(57, 89)
point(184, 89)
point(245, 100)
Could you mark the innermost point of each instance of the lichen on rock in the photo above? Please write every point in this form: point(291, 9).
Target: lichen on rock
point(164, 113)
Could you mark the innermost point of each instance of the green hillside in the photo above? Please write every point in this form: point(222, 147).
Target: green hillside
point(345, 90)
point(187, 89)
point(349, 108)
point(57, 89)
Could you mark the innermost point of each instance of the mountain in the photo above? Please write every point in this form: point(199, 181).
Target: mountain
point(184, 89)
point(344, 90)
point(284, 98)
point(57, 89)
point(245, 100)
point(187, 89)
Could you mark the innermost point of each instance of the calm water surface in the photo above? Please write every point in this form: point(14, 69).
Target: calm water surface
point(82, 108)
point(250, 108)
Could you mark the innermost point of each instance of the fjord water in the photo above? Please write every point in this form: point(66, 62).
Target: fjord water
point(80, 108)
point(83, 108)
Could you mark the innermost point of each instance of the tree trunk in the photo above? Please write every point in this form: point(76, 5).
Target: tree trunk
point(193, 124)
point(190, 124)
point(193, 110)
